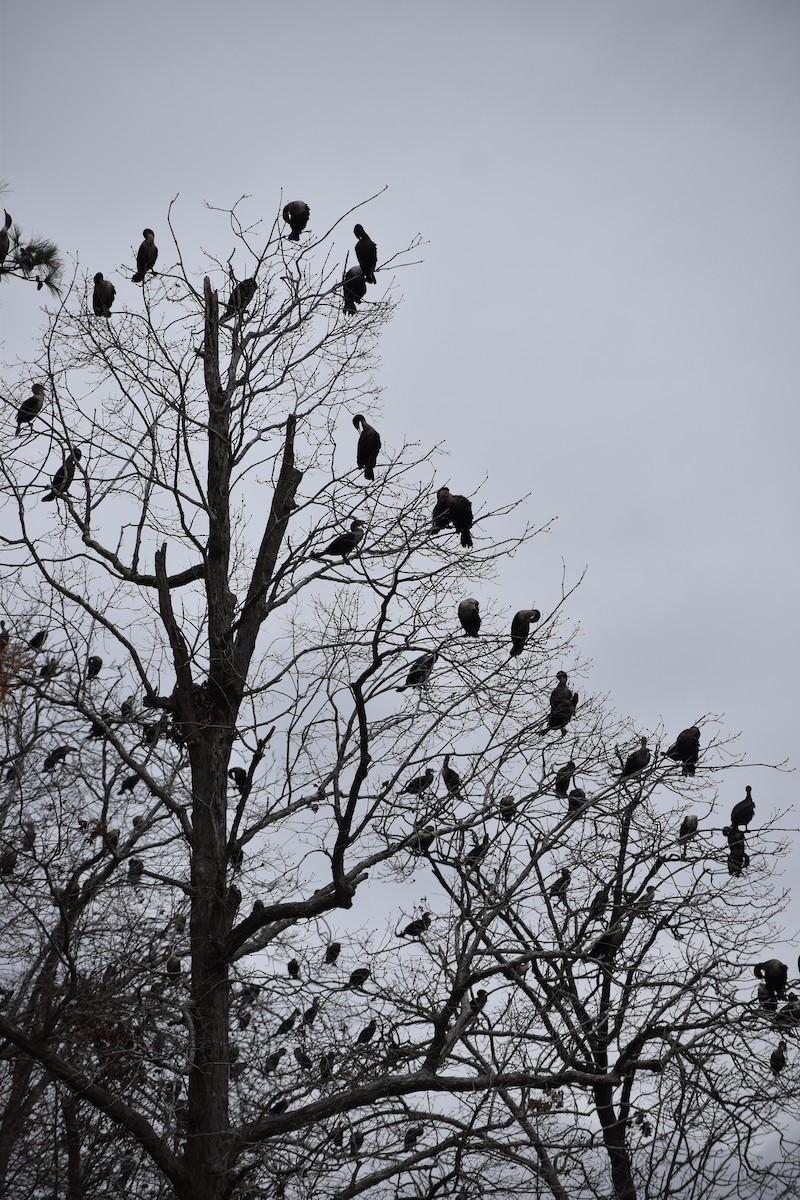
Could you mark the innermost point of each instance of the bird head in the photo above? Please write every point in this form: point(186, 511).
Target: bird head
point(148, 233)
point(358, 230)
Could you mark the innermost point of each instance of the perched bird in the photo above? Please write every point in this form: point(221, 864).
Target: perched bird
point(59, 484)
point(420, 671)
point(415, 929)
point(293, 968)
point(30, 408)
point(239, 777)
point(423, 840)
point(8, 860)
point(38, 640)
point(455, 511)
point(637, 761)
point(146, 256)
point(599, 904)
point(49, 670)
point(415, 787)
point(56, 756)
point(280, 1106)
point(766, 999)
point(326, 1066)
point(303, 1060)
point(576, 800)
point(412, 1135)
point(173, 966)
point(686, 749)
point(241, 295)
point(366, 253)
point(469, 616)
point(354, 287)
point(789, 1016)
point(609, 942)
point(332, 952)
point(358, 978)
point(344, 545)
point(296, 214)
point(777, 1060)
point(738, 858)
point(102, 296)
point(688, 830)
point(356, 1142)
point(558, 891)
point(775, 975)
point(520, 628)
point(5, 241)
point(743, 812)
point(128, 784)
point(452, 779)
point(564, 778)
point(94, 665)
point(272, 1060)
point(563, 703)
point(367, 1033)
point(135, 869)
point(508, 809)
point(369, 443)
point(477, 853)
point(310, 1014)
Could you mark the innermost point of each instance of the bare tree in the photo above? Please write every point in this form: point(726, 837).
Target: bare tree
point(306, 891)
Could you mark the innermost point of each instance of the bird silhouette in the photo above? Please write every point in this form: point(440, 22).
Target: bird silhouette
point(102, 296)
point(563, 703)
point(60, 483)
point(296, 214)
point(354, 288)
point(366, 253)
point(5, 241)
point(416, 928)
point(777, 1060)
point(38, 640)
point(686, 749)
point(469, 616)
point(293, 969)
point(239, 777)
point(521, 627)
point(94, 665)
point(358, 978)
point(30, 408)
point(415, 787)
point(743, 812)
point(688, 830)
point(452, 779)
point(558, 891)
point(564, 778)
point(775, 975)
point(453, 510)
point(369, 443)
point(367, 1033)
point(241, 295)
point(332, 952)
point(420, 671)
point(637, 761)
point(423, 840)
point(345, 544)
point(146, 256)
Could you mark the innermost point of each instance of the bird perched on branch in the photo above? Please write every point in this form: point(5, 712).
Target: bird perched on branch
point(420, 671)
point(293, 969)
point(56, 756)
point(558, 891)
point(344, 545)
point(576, 799)
point(94, 665)
point(609, 942)
point(38, 640)
point(367, 1033)
point(477, 853)
point(452, 779)
point(146, 256)
point(240, 297)
point(563, 703)
point(239, 777)
point(469, 616)
point(738, 858)
point(520, 628)
point(332, 952)
point(287, 1024)
point(358, 978)
point(775, 975)
point(637, 761)
point(296, 214)
point(30, 408)
point(777, 1060)
point(743, 812)
point(416, 928)
point(508, 809)
point(686, 749)
point(60, 483)
point(687, 831)
point(455, 511)
point(423, 840)
point(354, 287)
point(564, 778)
point(102, 296)
point(366, 253)
point(369, 443)
point(416, 787)
point(5, 241)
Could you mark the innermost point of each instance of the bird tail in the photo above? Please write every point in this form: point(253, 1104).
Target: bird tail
point(349, 307)
point(369, 473)
point(48, 496)
point(688, 768)
point(137, 278)
point(371, 278)
point(466, 539)
point(293, 237)
point(515, 650)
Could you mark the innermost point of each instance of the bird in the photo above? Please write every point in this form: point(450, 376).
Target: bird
point(775, 975)
point(738, 858)
point(354, 287)
point(520, 628)
point(102, 296)
point(558, 890)
point(412, 1135)
point(575, 799)
point(8, 860)
point(367, 1033)
point(30, 408)
point(508, 809)
point(477, 853)
point(469, 616)
point(293, 969)
point(777, 1060)
point(94, 665)
point(420, 671)
point(369, 443)
point(452, 779)
point(60, 483)
point(241, 295)
point(743, 812)
point(455, 511)
point(418, 785)
point(686, 749)
point(303, 1060)
point(358, 978)
point(146, 256)
point(326, 1066)
point(5, 241)
point(637, 761)
point(598, 905)
point(609, 942)
point(415, 929)
point(423, 840)
point(56, 756)
point(688, 830)
point(272, 1060)
point(766, 999)
point(564, 778)
point(366, 253)
point(332, 952)
point(280, 1106)
point(344, 545)
point(309, 1015)
point(38, 640)
point(173, 966)
point(135, 869)
point(239, 777)
point(789, 1016)
point(563, 703)
point(296, 214)
point(49, 670)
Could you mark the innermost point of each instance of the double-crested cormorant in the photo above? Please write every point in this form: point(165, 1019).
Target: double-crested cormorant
point(469, 616)
point(30, 408)
point(508, 809)
point(564, 778)
point(358, 978)
point(412, 1135)
point(146, 256)
point(766, 999)
point(38, 640)
point(49, 670)
point(743, 812)
point(558, 891)
point(293, 969)
point(775, 975)
point(332, 952)
point(455, 511)
point(326, 1066)
point(789, 1016)
point(369, 443)
point(60, 483)
point(5, 241)
point(423, 840)
point(128, 784)
point(135, 869)
point(303, 1060)
point(687, 831)
point(366, 253)
point(56, 756)
point(296, 214)
point(416, 928)
point(102, 296)
point(94, 665)
point(637, 761)
point(173, 965)
point(452, 779)
point(239, 777)
point(686, 749)
point(609, 942)
point(415, 787)
point(241, 295)
point(420, 671)
point(367, 1033)
point(345, 544)
point(272, 1060)
point(310, 1014)
point(521, 627)
point(477, 853)
point(354, 287)
point(8, 860)
point(563, 703)
point(738, 858)
point(576, 799)
point(777, 1060)
point(599, 904)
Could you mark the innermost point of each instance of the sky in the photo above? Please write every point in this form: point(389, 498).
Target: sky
point(605, 314)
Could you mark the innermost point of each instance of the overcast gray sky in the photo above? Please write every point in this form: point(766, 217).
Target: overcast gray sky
point(606, 316)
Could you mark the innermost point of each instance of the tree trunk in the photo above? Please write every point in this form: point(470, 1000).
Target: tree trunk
point(614, 1142)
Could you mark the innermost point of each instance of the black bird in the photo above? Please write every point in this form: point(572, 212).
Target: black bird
point(128, 784)
point(743, 812)
point(173, 966)
point(272, 1060)
point(56, 756)
point(508, 809)
point(49, 670)
point(102, 296)
point(354, 287)
point(296, 214)
point(575, 799)
point(789, 1015)
point(345, 544)
point(558, 891)
point(738, 858)
point(415, 929)
point(310, 1014)
point(326, 1066)
point(239, 777)
point(420, 671)
point(358, 978)
point(520, 628)
point(688, 830)
point(637, 761)
point(332, 952)
point(293, 968)
point(369, 443)
point(564, 778)
point(469, 616)
point(240, 297)
point(598, 905)
point(60, 483)
point(94, 665)
point(563, 703)
point(303, 1059)
point(413, 1134)
point(38, 640)
point(415, 787)
point(423, 840)
point(477, 853)
point(686, 749)
point(366, 253)
point(30, 408)
point(280, 1106)
point(8, 860)
point(146, 256)
point(777, 1060)
point(5, 241)
point(775, 975)
point(455, 511)
point(367, 1033)
point(135, 869)
point(452, 779)
point(766, 999)
point(609, 942)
